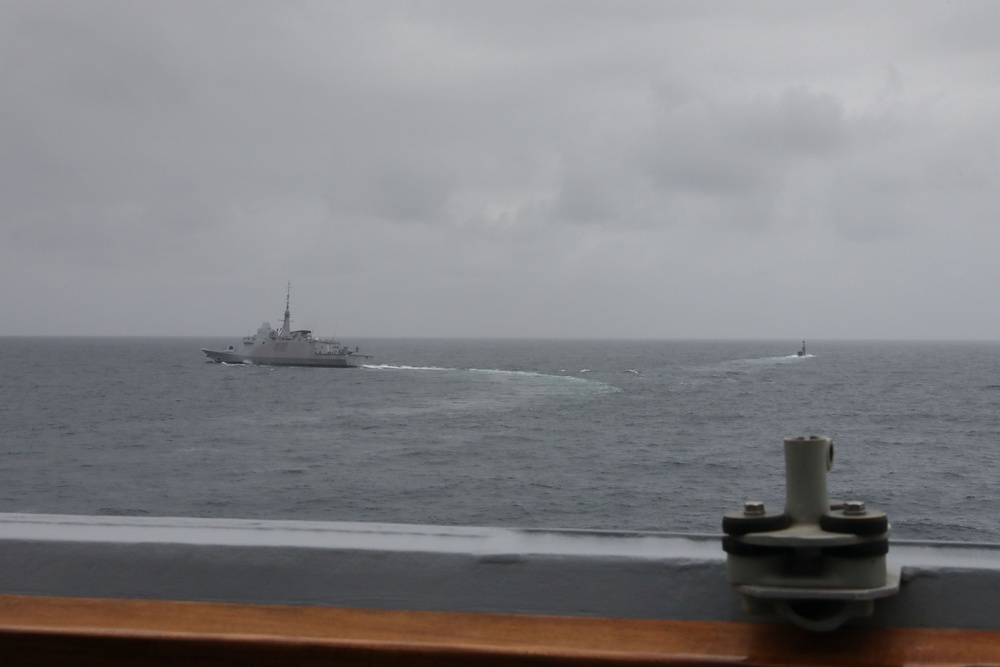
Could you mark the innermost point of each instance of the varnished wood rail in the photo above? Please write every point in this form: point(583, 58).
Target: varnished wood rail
point(53, 631)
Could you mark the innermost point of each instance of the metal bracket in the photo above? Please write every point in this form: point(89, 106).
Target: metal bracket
point(816, 564)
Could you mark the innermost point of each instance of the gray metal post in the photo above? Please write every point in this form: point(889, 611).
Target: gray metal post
point(807, 460)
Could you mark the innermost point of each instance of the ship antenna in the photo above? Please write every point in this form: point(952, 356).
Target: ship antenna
point(286, 328)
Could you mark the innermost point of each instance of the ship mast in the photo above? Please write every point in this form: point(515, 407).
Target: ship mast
point(286, 328)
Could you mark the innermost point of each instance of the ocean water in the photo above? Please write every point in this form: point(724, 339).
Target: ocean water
point(611, 435)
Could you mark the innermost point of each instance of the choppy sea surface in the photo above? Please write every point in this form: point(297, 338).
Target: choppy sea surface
point(616, 435)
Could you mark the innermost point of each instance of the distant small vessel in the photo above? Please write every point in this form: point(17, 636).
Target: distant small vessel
point(285, 347)
point(802, 352)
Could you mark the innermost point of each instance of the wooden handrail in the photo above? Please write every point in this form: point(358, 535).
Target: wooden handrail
point(86, 631)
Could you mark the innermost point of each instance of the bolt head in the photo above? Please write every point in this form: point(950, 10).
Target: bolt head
point(753, 508)
point(854, 508)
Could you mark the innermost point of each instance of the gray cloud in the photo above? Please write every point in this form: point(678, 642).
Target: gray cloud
point(639, 169)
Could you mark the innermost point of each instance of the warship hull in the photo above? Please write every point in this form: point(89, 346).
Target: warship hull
point(288, 347)
point(278, 358)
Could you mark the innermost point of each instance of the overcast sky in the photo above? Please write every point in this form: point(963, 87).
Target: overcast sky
point(780, 170)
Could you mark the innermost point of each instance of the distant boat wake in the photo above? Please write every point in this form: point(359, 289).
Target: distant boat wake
point(783, 359)
point(740, 366)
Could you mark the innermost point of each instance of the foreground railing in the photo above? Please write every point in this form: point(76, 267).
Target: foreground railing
point(123, 590)
point(151, 591)
point(79, 631)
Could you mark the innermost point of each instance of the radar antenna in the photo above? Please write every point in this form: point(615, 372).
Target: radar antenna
point(286, 328)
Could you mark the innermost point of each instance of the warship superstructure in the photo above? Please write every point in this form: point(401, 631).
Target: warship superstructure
point(285, 347)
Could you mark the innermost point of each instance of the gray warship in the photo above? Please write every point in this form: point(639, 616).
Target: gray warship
point(285, 347)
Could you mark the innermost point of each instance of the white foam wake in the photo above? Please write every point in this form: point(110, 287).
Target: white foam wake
point(393, 367)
